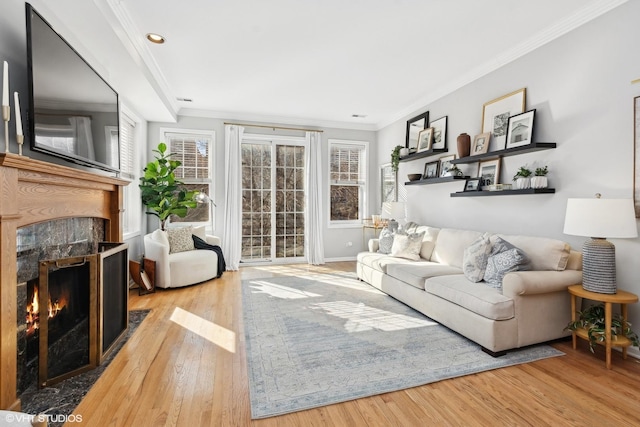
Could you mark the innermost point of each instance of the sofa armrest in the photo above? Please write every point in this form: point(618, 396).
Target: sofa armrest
point(158, 252)
point(374, 245)
point(214, 240)
point(539, 282)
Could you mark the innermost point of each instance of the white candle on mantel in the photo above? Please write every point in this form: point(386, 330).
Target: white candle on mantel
point(18, 116)
point(5, 85)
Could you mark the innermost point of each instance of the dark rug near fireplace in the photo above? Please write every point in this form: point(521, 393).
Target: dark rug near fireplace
point(62, 398)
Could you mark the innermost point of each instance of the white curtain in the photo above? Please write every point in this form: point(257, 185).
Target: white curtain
point(232, 232)
point(314, 246)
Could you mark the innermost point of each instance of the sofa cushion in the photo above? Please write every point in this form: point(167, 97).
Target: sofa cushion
point(180, 239)
point(476, 297)
point(380, 262)
point(451, 244)
point(415, 274)
point(407, 245)
point(504, 258)
point(544, 253)
point(474, 260)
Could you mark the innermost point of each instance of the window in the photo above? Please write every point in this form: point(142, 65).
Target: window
point(193, 149)
point(347, 181)
point(130, 169)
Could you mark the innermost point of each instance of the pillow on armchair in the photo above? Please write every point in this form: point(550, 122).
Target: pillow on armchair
point(180, 239)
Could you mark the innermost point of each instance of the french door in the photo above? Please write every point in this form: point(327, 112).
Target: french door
point(273, 199)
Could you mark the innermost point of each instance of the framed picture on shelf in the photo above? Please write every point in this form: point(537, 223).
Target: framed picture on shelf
point(520, 129)
point(425, 138)
point(439, 133)
point(480, 143)
point(489, 173)
point(473, 184)
point(414, 126)
point(445, 164)
point(496, 113)
point(430, 170)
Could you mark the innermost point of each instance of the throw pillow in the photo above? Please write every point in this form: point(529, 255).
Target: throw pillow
point(504, 259)
point(407, 245)
point(180, 239)
point(474, 261)
point(385, 241)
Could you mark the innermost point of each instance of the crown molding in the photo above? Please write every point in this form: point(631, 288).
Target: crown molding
point(115, 12)
point(583, 16)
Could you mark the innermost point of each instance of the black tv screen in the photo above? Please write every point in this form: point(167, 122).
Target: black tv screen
point(73, 111)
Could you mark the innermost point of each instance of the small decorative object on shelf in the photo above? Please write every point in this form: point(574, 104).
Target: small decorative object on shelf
point(539, 178)
point(404, 152)
point(464, 145)
point(414, 176)
point(522, 178)
point(453, 171)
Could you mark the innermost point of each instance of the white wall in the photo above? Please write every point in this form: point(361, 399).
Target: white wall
point(335, 240)
point(580, 87)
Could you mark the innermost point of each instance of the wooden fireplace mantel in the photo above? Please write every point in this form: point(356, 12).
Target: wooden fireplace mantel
point(33, 191)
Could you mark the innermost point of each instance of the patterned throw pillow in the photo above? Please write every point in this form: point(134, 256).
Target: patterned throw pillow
point(504, 259)
point(385, 241)
point(474, 261)
point(407, 245)
point(180, 239)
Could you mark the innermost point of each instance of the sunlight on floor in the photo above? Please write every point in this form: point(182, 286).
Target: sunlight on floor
point(280, 291)
point(362, 318)
point(218, 335)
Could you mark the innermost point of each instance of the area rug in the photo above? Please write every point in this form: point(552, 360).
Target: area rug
point(61, 399)
point(322, 339)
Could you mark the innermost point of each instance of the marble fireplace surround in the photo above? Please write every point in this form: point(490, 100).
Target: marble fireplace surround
point(33, 191)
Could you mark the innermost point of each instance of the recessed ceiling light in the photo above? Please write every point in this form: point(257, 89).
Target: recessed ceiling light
point(358, 116)
point(185, 99)
point(155, 38)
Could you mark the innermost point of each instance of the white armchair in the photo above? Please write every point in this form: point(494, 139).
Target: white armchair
point(176, 269)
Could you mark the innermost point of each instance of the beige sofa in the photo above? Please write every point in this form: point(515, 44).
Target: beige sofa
point(532, 306)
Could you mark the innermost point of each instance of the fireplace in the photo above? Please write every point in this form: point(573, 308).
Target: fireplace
point(36, 192)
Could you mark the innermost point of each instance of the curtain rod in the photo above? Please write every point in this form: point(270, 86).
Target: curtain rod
point(273, 127)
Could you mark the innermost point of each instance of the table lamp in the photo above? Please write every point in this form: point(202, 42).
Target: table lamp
point(600, 219)
point(393, 211)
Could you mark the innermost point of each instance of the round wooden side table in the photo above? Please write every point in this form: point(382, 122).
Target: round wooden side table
point(621, 297)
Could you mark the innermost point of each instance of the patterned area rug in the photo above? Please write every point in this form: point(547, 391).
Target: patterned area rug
point(328, 338)
point(62, 398)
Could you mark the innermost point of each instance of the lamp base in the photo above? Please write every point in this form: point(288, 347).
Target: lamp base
point(599, 266)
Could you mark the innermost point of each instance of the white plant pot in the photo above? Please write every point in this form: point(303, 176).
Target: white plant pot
point(539, 182)
point(523, 183)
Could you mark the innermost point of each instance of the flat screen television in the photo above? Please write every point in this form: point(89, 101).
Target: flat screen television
point(73, 111)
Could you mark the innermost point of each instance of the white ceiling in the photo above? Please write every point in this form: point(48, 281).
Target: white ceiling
point(310, 62)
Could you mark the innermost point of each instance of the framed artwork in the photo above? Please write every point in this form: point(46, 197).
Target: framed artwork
point(430, 170)
point(425, 137)
point(496, 113)
point(480, 143)
point(445, 164)
point(414, 126)
point(520, 129)
point(439, 133)
point(387, 184)
point(636, 137)
point(489, 172)
point(473, 184)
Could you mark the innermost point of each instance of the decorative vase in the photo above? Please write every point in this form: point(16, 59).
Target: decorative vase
point(404, 152)
point(523, 183)
point(464, 145)
point(539, 182)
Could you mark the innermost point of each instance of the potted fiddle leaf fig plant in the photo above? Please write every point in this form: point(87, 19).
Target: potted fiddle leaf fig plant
point(522, 178)
point(162, 193)
point(592, 320)
point(539, 179)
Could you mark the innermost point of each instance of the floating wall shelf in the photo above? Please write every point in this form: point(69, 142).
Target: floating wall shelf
point(530, 148)
point(439, 180)
point(503, 192)
point(422, 154)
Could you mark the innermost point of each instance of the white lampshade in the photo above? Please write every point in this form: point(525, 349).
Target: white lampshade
point(605, 218)
point(393, 210)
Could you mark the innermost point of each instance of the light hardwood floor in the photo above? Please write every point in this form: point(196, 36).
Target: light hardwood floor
point(167, 374)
